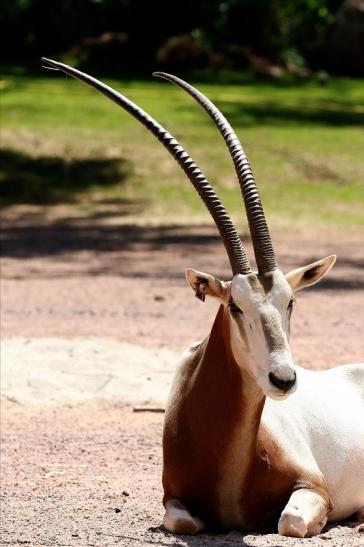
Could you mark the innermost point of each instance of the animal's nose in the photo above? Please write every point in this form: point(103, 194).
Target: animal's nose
point(284, 385)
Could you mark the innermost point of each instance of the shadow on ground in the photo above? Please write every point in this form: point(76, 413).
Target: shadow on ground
point(320, 111)
point(30, 240)
point(141, 251)
point(240, 538)
point(43, 180)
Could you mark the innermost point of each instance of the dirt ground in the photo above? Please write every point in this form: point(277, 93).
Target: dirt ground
point(84, 295)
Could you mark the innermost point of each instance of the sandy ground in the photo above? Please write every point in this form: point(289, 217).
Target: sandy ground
point(59, 370)
point(94, 316)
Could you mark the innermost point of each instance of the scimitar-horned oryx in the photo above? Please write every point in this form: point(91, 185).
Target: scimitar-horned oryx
point(249, 437)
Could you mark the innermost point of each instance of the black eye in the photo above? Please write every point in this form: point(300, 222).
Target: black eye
point(234, 308)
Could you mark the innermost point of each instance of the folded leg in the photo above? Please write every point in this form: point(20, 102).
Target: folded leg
point(305, 514)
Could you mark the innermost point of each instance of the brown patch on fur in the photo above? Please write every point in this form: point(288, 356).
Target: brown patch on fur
point(271, 480)
point(238, 458)
point(272, 331)
point(242, 331)
point(267, 281)
point(200, 424)
point(244, 336)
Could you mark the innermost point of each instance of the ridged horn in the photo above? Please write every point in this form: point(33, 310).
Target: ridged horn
point(262, 243)
point(238, 259)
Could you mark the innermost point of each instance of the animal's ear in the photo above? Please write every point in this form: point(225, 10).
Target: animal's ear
point(204, 284)
point(308, 275)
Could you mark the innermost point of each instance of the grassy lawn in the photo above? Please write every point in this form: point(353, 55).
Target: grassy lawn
point(64, 142)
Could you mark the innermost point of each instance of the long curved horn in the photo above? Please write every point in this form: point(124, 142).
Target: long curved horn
point(262, 243)
point(238, 259)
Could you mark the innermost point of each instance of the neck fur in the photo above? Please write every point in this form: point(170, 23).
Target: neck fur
point(241, 403)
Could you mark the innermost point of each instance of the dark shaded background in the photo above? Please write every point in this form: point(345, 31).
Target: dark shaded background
point(132, 36)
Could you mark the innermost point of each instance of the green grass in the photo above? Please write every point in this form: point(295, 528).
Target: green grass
point(64, 142)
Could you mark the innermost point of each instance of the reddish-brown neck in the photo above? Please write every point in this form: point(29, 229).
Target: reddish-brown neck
point(215, 412)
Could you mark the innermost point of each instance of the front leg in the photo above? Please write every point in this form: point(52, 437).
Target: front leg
point(305, 514)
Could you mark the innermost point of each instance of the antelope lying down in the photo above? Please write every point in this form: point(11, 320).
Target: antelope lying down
point(249, 437)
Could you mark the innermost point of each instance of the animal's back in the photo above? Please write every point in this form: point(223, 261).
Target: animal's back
point(321, 427)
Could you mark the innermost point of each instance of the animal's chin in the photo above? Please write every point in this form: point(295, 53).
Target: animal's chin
point(277, 395)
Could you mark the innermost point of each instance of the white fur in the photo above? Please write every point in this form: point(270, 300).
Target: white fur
point(304, 515)
point(321, 426)
point(257, 358)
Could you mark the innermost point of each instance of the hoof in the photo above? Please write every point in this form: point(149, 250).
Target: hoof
point(292, 523)
point(178, 520)
point(316, 528)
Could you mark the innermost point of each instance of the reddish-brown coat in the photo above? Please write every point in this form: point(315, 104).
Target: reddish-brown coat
point(200, 426)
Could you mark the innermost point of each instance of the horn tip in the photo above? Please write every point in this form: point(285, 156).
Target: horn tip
point(50, 62)
point(159, 74)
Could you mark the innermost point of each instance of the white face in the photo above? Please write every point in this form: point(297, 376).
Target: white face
point(260, 309)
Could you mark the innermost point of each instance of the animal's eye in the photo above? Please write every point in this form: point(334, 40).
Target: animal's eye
point(234, 308)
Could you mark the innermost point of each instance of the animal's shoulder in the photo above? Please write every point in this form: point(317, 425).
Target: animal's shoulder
point(192, 355)
point(186, 367)
point(354, 374)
